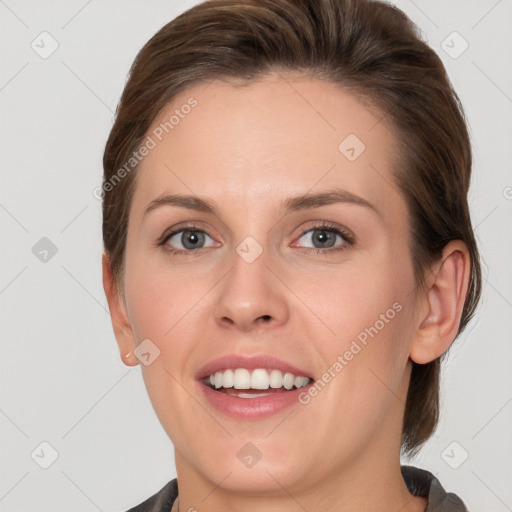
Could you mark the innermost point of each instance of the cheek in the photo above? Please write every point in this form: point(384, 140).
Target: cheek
point(166, 311)
point(158, 302)
point(169, 308)
point(365, 359)
point(361, 299)
point(369, 312)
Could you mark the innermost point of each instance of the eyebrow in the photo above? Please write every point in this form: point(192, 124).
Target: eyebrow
point(295, 203)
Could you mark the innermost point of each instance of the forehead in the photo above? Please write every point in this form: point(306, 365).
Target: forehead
point(256, 143)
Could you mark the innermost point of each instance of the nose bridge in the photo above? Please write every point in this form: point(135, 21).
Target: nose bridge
point(251, 292)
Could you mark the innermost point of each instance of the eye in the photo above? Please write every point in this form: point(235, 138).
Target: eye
point(325, 236)
point(190, 239)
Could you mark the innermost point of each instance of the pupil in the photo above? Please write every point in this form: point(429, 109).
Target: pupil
point(192, 239)
point(324, 236)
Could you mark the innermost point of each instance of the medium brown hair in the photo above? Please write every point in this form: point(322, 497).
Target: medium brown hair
point(370, 48)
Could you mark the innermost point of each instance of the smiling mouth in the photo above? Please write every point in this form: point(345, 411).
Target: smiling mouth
point(244, 383)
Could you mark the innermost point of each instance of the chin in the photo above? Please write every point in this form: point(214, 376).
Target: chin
point(264, 478)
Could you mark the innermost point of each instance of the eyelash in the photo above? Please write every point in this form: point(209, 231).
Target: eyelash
point(326, 226)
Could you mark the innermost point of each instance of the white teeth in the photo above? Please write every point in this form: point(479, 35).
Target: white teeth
point(276, 379)
point(218, 380)
point(228, 379)
point(301, 381)
point(260, 378)
point(288, 380)
point(242, 379)
point(248, 395)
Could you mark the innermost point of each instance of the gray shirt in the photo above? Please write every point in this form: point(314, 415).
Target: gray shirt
point(420, 482)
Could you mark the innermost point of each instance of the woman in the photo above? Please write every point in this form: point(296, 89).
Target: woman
point(289, 252)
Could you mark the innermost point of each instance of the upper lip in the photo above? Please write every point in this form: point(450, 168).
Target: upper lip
point(250, 362)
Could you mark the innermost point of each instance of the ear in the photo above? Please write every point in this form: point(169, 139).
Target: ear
point(440, 304)
point(122, 328)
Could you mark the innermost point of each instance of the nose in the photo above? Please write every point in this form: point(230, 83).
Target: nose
point(250, 296)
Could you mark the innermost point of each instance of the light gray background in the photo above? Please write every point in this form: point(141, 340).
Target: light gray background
point(62, 379)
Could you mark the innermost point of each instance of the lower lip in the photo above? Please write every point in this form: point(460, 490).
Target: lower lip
point(252, 408)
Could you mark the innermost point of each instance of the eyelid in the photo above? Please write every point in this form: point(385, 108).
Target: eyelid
point(319, 225)
point(191, 225)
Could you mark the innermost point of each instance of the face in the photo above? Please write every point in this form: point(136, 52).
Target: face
point(251, 275)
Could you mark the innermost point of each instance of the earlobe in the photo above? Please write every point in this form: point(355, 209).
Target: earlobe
point(129, 359)
point(120, 323)
point(441, 304)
